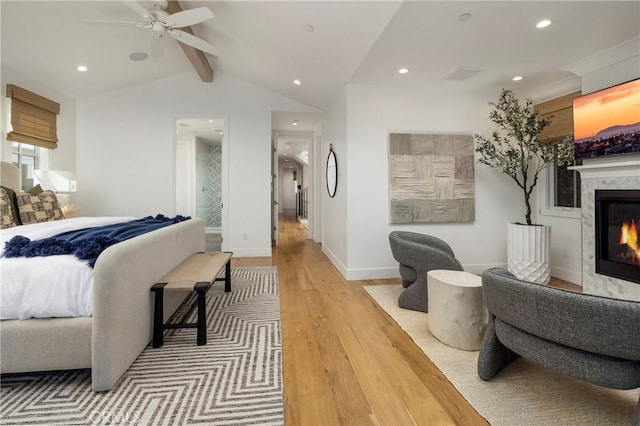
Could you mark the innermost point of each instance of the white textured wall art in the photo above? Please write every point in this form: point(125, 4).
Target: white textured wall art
point(431, 178)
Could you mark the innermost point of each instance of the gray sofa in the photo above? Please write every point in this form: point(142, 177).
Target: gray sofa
point(591, 338)
point(418, 254)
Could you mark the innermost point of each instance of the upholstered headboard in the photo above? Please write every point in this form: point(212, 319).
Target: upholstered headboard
point(9, 176)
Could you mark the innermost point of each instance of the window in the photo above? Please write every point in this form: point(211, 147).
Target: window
point(25, 158)
point(562, 186)
point(566, 189)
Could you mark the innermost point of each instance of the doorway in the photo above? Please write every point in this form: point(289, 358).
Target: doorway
point(200, 179)
point(296, 140)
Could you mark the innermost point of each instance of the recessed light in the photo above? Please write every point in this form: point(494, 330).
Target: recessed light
point(81, 68)
point(544, 23)
point(403, 70)
point(210, 121)
point(308, 28)
point(517, 78)
point(464, 17)
point(288, 146)
point(285, 153)
point(297, 82)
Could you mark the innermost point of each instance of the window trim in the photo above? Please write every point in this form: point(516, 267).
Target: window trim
point(546, 191)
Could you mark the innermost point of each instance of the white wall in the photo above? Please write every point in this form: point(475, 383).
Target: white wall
point(373, 112)
point(356, 222)
point(334, 210)
point(61, 158)
point(125, 150)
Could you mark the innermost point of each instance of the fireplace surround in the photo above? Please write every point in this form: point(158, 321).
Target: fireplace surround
point(604, 174)
point(617, 221)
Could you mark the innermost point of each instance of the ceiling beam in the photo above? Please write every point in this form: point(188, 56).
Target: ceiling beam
point(195, 56)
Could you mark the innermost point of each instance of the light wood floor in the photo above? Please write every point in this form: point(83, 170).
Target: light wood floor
point(346, 362)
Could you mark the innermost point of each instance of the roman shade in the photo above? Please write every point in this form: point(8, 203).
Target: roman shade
point(33, 118)
point(560, 111)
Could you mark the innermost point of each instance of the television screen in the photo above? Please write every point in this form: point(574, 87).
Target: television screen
point(607, 122)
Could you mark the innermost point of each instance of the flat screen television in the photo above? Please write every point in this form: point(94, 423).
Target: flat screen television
point(607, 122)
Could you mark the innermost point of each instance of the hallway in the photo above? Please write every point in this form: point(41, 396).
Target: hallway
point(345, 360)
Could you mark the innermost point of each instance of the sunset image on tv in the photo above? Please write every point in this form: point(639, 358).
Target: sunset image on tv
point(607, 122)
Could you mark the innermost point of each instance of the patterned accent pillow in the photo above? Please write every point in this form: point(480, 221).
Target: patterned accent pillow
point(42, 207)
point(14, 206)
point(7, 218)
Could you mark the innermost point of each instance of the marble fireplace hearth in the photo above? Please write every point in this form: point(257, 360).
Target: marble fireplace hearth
point(604, 175)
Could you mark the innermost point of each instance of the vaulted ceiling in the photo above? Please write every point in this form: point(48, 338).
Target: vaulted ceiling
point(324, 44)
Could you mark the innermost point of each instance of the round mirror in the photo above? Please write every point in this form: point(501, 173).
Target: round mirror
point(332, 173)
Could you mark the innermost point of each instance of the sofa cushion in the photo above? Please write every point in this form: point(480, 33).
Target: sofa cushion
point(590, 323)
point(601, 370)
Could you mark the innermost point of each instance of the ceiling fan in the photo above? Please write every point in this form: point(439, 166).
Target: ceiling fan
point(160, 22)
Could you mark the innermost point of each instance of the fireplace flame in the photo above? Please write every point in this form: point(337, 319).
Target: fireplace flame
point(629, 238)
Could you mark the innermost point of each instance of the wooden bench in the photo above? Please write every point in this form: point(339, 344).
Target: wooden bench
point(197, 273)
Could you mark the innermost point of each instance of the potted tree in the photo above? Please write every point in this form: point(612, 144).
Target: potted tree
point(517, 150)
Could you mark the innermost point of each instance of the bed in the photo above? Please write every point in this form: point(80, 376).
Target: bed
point(121, 325)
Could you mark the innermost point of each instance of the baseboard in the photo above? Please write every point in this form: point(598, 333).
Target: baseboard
point(372, 273)
point(393, 272)
point(255, 252)
point(567, 275)
point(334, 260)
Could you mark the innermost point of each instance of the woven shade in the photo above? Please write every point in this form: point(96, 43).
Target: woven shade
point(560, 110)
point(33, 118)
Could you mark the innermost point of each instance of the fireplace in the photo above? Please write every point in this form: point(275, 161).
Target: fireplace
point(617, 218)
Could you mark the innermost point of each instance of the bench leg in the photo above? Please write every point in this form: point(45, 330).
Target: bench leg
point(227, 277)
point(201, 290)
point(158, 335)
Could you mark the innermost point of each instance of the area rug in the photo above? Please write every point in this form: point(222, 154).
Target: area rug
point(522, 393)
point(235, 379)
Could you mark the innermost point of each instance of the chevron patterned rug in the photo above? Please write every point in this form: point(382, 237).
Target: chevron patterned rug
point(235, 379)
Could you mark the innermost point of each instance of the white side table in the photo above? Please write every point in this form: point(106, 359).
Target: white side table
point(457, 315)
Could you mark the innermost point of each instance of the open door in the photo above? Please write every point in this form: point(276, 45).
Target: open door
point(200, 174)
point(274, 193)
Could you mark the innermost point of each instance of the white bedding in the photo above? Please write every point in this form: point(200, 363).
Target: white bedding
point(53, 286)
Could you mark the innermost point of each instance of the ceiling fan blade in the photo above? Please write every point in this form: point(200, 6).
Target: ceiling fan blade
point(110, 22)
point(138, 8)
point(156, 45)
point(193, 41)
point(186, 18)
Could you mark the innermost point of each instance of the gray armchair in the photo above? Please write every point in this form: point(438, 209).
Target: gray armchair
point(418, 254)
point(591, 338)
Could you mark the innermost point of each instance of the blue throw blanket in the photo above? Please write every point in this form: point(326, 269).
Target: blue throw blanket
point(88, 243)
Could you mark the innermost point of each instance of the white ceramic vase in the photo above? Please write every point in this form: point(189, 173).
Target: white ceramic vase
point(528, 252)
